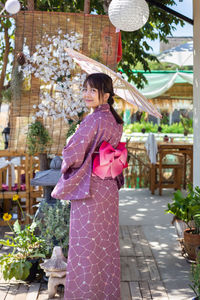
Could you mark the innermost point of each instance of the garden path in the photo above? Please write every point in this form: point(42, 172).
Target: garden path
point(151, 264)
point(140, 277)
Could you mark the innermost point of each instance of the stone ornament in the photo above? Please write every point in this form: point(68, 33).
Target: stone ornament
point(55, 268)
point(128, 15)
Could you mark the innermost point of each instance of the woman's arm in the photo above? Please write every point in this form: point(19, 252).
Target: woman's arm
point(80, 144)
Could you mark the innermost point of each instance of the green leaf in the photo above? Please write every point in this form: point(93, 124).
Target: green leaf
point(17, 227)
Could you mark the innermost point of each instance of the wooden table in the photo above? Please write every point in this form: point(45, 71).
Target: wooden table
point(176, 148)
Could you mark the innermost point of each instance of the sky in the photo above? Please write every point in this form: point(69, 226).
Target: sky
point(184, 7)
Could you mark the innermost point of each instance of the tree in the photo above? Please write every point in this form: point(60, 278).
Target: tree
point(6, 38)
point(135, 47)
point(160, 25)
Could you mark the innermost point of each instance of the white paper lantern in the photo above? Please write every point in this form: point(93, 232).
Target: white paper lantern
point(12, 6)
point(128, 15)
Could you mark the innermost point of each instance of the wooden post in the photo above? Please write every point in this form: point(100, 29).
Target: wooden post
point(196, 94)
point(86, 6)
point(31, 5)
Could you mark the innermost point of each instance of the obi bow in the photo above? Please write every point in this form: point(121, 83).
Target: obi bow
point(110, 162)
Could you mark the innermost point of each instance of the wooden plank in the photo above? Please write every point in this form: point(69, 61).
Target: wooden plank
point(125, 232)
point(125, 274)
point(10, 194)
point(144, 243)
point(158, 290)
point(135, 291)
point(33, 291)
point(129, 269)
point(153, 269)
point(134, 235)
point(21, 292)
point(126, 248)
point(13, 288)
point(143, 268)
point(43, 293)
point(125, 291)
point(27, 178)
point(11, 153)
point(120, 232)
point(145, 291)
point(4, 287)
point(133, 269)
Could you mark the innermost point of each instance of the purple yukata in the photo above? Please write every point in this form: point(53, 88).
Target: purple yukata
point(93, 268)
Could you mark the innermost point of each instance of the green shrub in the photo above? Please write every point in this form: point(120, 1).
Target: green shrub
point(54, 226)
point(150, 127)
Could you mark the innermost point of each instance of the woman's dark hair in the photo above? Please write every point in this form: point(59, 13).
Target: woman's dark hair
point(103, 83)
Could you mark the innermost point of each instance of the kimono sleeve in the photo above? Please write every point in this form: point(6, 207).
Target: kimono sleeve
point(80, 144)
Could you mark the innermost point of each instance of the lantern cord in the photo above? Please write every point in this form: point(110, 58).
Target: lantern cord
point(171, 11)
point(2, 10)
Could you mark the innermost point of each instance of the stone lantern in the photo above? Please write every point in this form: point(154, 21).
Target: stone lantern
point(48, 179)
point(55, 268)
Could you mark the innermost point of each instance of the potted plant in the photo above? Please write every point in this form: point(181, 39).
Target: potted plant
point(195, 278)
point(38, 140)
point(187, 124)
point(53, 226)
point(187, 209)
point(26, 251)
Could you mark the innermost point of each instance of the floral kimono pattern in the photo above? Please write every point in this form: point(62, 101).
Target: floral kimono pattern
point(93, 268)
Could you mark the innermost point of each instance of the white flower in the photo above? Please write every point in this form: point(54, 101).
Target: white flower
point(60, 93)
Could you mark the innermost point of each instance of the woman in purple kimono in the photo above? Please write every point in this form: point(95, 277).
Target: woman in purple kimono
point(92, 162)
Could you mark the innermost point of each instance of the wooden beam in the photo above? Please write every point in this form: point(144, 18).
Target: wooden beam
point(196, 94)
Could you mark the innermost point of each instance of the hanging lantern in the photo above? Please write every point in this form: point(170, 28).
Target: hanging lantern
point(12, 6)
point(128, 15)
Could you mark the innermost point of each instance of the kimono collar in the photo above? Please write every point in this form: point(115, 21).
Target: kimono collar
point(103, 107)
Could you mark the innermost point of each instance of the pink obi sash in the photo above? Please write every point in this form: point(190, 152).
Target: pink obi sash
point(110, 162)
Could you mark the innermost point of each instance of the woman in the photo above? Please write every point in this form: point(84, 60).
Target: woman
point(93, 269)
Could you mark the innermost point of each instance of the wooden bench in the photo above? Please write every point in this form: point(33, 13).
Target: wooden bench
point(24, 172)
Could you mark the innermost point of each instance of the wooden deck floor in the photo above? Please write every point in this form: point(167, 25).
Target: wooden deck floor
point(140, 277)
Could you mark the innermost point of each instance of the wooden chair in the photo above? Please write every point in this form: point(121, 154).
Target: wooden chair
point(163, 163)
point(157, 179)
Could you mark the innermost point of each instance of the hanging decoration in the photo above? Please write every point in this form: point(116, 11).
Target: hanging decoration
point(128, 15)
point(12, 7)
point(60, 92)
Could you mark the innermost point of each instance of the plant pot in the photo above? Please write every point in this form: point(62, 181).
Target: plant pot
point(191, 242)
point(180, 226)
point(33, 270)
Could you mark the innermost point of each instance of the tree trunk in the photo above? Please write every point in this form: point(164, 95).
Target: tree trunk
point(86, 6)
point(44, 164)
point(5, 57)
point(30, 5)
point(106, 4)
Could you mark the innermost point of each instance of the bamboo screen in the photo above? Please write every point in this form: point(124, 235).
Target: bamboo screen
point(98, 39)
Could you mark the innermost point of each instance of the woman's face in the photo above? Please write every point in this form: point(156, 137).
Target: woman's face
point(92, 98)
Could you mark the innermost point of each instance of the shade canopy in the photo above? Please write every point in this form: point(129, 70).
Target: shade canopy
point(161, 81)
point(181, 55)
